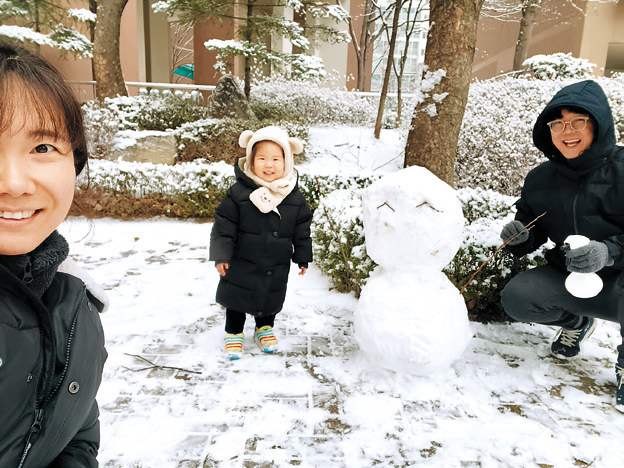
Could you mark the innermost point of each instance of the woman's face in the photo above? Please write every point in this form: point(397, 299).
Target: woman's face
point(268, 163)
point(571, 143)
point(37, 179)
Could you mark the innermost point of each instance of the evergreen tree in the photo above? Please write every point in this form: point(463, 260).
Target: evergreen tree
point(258, 25)
point(45, 22)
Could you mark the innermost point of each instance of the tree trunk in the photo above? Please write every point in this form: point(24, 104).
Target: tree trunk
point(365, 42)
point(106, 62)
point(360, 46)
point(247, 60)
point(432, 139)
point(389, 64)
point(529, 11)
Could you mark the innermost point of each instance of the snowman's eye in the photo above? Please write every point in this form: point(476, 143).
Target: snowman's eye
point(427, 204)
point(385, 204)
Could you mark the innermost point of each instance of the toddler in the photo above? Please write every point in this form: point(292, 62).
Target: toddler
point(261, 225)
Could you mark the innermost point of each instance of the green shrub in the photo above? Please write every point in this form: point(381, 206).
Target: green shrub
point(314, 188)
point(266, 111)
point(194, 190)
point(338, 241)
point(159, 111)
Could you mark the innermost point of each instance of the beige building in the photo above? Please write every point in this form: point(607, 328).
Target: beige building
point(152, 45)
point(593, 30)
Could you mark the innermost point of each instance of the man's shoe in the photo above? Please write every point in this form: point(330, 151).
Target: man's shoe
point(567, 343)
point(266, 339)
point(234, 345)
point(619, 390)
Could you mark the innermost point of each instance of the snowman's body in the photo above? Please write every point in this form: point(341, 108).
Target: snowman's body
point(410, 317)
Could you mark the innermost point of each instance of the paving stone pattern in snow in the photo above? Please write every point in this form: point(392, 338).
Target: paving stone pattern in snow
point(504, 403)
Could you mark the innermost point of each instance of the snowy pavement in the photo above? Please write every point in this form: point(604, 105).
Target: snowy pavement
point(504, 403)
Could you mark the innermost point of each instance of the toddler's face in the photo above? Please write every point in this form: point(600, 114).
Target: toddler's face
point(37, 179)
point(268, 163)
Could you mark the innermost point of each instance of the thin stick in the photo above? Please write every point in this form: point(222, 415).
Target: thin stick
point(156, 366)
point(527, 228)
point(425, 203)
point(386, 204)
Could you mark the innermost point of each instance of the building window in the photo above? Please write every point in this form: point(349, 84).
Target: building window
point(415, 52)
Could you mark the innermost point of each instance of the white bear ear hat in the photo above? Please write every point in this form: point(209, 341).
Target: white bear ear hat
point(290, 145)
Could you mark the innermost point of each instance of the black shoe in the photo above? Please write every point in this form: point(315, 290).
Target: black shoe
point(619, 391)
point(567, 343)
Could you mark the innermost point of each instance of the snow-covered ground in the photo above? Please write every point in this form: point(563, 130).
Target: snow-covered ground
point(319, 402)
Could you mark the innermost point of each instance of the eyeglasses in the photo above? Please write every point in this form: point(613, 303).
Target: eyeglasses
point(558, 126)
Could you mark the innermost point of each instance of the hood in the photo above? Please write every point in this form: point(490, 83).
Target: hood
point(587, 95)
point(239, 173)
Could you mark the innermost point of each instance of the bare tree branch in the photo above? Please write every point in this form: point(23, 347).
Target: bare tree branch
point(528, 227)
point(156, 366)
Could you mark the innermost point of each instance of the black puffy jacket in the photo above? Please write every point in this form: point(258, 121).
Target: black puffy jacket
point(259, 247)
point(584, 195)
point(51, 360)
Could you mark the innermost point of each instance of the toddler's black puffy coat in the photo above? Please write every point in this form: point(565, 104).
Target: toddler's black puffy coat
point(259, 247)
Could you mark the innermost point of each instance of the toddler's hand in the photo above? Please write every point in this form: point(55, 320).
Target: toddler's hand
point(222, 268)
point(303, 271)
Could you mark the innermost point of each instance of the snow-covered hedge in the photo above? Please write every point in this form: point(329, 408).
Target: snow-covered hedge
point(157, 110)
point(311, 103)
point(495, 149)
point(199, 185)
point(340, 248)
point(338, 238)
point(559, 65)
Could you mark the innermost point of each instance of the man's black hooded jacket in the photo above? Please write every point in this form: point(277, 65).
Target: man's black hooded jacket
point(584, 195)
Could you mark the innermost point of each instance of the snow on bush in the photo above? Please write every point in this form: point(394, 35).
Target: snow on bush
point(157, 110)
point(311, 103)
point(136, 180)
point(217, 139)
point(101, 125)
point(338, 241)
point(495, 149)
point(559, 65)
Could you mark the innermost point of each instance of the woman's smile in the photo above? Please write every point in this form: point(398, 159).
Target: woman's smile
point(17, 214)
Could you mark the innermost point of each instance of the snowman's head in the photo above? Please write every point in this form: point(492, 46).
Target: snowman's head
point(412, 219)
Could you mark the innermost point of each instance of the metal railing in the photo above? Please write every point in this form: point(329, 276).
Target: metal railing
point(85, 95)
point(89, 93)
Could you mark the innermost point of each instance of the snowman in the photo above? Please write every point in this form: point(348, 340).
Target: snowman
point(410, 317)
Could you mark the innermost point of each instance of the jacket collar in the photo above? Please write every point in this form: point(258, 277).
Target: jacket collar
point(36, 269)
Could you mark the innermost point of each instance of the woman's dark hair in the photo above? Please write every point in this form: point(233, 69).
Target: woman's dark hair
point(28, 79)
